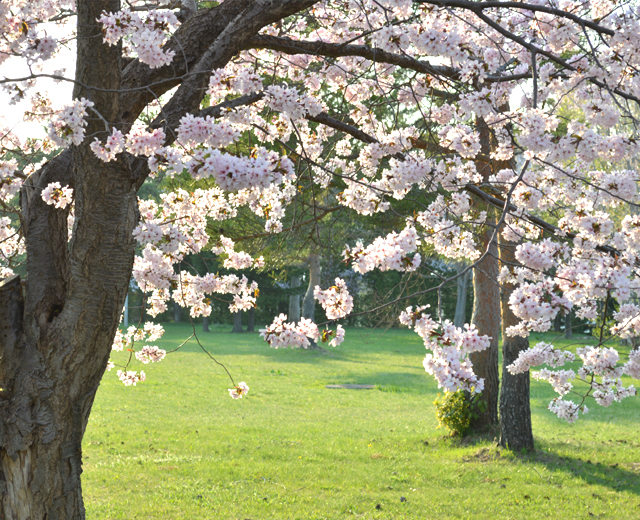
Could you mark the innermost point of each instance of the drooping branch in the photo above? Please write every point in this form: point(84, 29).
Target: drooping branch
point(494, 200)
point(481, 6)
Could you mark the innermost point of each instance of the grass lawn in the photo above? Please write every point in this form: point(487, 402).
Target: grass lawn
point(177, 447)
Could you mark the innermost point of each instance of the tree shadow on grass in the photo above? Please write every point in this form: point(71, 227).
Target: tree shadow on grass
point(618, 477)
point(393, 382)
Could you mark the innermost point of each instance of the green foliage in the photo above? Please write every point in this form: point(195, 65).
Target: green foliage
point(454, 412)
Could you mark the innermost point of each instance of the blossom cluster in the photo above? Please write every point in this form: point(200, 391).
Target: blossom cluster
point(146, 35)
point(241, 389)
point(336, 301)
point(131, 377)
point(149, 353)
point(599, 370)
point(68, 126)
point(283, 334)
point(113, 146)
point(288, 334)
point(389, 253)
point(450, 347)
point(57, 196)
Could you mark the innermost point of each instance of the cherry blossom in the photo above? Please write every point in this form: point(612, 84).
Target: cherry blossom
point(131, 377)
point(336, 301)
point(449, 361)
point(240, 390)
point(150, 354)
point(68, 126)
point(283, 334)
point(113, 146)
point(57, 196)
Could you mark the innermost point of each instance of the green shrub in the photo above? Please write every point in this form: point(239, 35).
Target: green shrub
point(453, 412)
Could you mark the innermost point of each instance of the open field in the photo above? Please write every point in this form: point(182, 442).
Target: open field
point(177, 447)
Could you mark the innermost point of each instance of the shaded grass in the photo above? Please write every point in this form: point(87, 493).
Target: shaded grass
point(178, 446)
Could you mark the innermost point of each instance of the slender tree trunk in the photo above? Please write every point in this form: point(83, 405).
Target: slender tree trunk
point(486, 317)
point(294, 301)
point(205, 324)
point(309, 302)
point(515, 410)
point(557, 323)
point(237, 322)
point(461, 295)
point(568, 333)
point(251, 319)
point(486, 306)
point(177, 312)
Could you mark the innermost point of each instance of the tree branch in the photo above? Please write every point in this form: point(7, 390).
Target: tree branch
point(480, 6)
point(337, 50)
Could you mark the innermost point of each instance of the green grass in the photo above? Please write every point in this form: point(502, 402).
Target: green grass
point(177, 447)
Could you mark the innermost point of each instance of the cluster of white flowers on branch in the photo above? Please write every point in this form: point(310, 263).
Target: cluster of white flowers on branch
point(450, 347)
point(57, 196)
point(125, 340)
point(597, 362)
point(146, 35)
point(336, 301)
point(287, 334)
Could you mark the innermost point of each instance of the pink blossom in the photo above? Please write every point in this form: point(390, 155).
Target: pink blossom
point(57, 196)
point(240, 390)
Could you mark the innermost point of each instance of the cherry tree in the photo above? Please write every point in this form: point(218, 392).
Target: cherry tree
point(447, 113)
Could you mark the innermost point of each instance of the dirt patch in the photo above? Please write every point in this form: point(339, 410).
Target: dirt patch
point(483, 455)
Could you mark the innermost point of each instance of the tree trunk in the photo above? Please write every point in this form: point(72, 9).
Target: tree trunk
point(251, 319)
point(205, 324)
point(294, 301)
point(568, 333)
point(486, 306)
point(53, 359)
point(56, 338)
point(515, 410)
point(486, 317)
point(309, 302)
point(177, 312)
point(461, 295)
point(557, 323)
point(237, 322)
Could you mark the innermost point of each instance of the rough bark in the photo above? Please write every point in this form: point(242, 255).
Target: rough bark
point(73, 299)
point(486, 317)
point(237, 322)
point(309, 302)
point(515, 410)
point(486, 306)
point(251, 320)
point(294, 301)
point(460, 317)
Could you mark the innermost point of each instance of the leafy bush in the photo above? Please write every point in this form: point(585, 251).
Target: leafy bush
point(454, 412)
